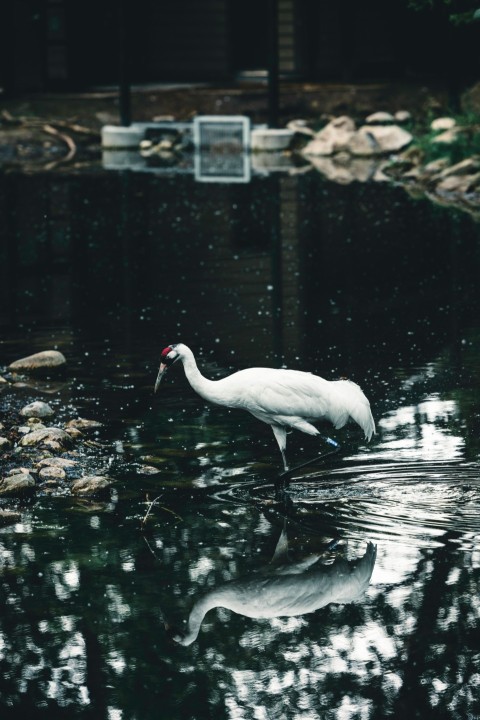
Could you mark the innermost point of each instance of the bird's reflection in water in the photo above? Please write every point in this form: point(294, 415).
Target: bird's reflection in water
point(286, 589)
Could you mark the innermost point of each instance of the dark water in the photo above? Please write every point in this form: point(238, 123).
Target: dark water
point(359, 281)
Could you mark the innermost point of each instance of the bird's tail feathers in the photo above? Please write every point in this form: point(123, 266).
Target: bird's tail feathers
point(363, 416)
point(352, 403)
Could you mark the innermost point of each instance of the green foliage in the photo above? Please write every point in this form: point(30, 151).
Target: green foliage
point(466, 144)
point(459, 12)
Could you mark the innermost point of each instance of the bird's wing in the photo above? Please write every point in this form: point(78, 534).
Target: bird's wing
point(286, 392)
point(276, 395)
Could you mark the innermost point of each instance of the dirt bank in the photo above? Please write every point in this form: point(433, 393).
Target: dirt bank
point(49, 130)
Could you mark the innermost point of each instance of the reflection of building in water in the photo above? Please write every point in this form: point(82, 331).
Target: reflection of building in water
point(35, 256)
point(282, 267)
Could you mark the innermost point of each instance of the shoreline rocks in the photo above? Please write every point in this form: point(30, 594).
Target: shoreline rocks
point(36, 458)
point(378, 137)
point(380, 150)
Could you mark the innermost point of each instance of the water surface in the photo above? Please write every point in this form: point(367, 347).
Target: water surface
point(359, 281)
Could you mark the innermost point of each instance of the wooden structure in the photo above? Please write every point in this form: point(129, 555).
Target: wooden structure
point(48, 45)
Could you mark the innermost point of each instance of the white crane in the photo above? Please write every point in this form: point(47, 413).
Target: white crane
point(283, 399)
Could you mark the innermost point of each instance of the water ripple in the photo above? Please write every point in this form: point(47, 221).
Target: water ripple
point(423, 503)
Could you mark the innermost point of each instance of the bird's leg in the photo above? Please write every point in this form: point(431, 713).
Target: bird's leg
point(331, 442)
point(336, 447)
point(281, 437)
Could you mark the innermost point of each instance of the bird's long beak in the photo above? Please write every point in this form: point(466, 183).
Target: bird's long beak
point(161, 371)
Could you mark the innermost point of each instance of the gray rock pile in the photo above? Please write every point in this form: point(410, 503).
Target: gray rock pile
point(41, 455)
point(380, 149)
point(43, 451)
point(379, 136)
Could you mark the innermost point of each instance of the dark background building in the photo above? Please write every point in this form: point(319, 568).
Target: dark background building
point(48, 45)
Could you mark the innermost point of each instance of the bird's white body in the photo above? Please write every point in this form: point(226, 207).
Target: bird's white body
point(282, 398)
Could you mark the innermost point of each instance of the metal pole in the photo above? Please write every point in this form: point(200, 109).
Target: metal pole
point(273, 63)
point(276, 269)
point(123, 80)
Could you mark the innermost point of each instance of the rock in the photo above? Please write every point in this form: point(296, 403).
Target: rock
point(5, 444)
point(24, 429)
point(50, 472)
point(333, 138)
point(449, 184)
point(457, 183)
point(49, 387)
point(442, 123)
point(300, 127)
point(49, 437)
point(448, 137)
point(469, 166)
point(19, 471)
point(148, 470)
point(380, 118)
point(53, 445)
point(403, 116)
point(83, 424)
point(413, 173)
point(37, 409)
point(436, 166)
point(35, 423)
point(412, 154)
point(91, 485)
point(74, 433)
point(17, 485)
point(7, 517)
point(59, 462)
point(46, 360)
point(344, 169)
point(378, 140)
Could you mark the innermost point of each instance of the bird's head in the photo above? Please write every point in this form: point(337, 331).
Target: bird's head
point(168, 356)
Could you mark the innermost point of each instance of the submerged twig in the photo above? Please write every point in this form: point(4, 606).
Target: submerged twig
point(162, 507)
point(80, 129)
point(72, 148)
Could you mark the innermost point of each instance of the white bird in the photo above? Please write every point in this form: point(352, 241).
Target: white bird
point(283, 399)
point(286, 590)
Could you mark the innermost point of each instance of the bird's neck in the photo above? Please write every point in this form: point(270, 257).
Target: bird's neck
point(204, 387)
point(196, 616)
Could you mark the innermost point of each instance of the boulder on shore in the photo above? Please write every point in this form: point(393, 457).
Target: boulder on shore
point(379, 140)
point(37, 409)
point(45, 360)
point(21, 483)
point(90, 485)
point(333, 138)
point(52, 438)
point(341, 135)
